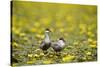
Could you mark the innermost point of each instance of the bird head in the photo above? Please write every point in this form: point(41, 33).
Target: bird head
point(61, 38)
point(47, 30)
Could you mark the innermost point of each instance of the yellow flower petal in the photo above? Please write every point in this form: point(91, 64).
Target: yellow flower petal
point(38, 35)
point(22, 34)
point(47, 61)
point(93, 46)
point(88, 53)
point(42, 36)
point(94, 42)
point(17, 31)
point(90, 40)
point(36, 55)
point(89, 33)
point(68, 58)
point(30, 55)
point(84, 58)
point(15, 44)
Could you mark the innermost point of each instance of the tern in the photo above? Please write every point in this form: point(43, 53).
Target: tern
point(58, 45)
point(46, 43)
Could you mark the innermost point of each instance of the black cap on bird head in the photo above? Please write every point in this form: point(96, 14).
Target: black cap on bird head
point(47, 30)
point(61, 38)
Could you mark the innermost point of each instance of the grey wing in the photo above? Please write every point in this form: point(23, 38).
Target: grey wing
point(53, 44)
point(42, 44)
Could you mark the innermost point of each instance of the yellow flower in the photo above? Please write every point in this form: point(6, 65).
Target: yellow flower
point(13, 29)
point(15, 44)
point(47, 61)
point(42, 36)
point(90, 40)
point(17, 31)
point(82, 27)
point(84, 58)
point(36, 55)
point(94, 42)
point(68, 58)
point(22, 34)
point(30, 55)
point(38, 35)
point(89, 33)
point(88, 53)
point(93, 45)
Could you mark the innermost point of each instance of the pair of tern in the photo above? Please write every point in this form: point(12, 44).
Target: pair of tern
point(47, 43)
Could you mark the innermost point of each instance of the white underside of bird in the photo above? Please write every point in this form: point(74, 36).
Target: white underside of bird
point(58, 45)
point(46, 42)
point(47, 38)
point(61, 43)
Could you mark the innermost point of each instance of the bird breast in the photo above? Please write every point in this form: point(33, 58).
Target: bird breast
point(47, 40)
point(61, 43)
